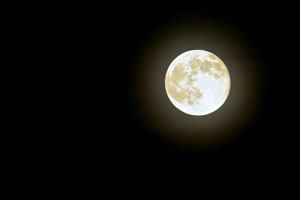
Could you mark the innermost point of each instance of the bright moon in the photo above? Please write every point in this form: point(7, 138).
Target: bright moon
point(197, 82)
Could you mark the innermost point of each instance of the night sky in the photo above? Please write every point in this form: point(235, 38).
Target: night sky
point(114, 42)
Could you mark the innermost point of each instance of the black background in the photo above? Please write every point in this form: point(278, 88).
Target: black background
point(106, 40)
point(78, 122)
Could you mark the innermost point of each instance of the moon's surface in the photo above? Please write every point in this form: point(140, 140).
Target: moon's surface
point(197, 82)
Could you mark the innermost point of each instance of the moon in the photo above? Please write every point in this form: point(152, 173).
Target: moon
point(197, 82)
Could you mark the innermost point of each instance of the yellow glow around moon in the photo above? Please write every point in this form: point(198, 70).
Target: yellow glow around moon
point(197, 82)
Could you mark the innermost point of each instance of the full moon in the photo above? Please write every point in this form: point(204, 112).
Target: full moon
point(197, 82)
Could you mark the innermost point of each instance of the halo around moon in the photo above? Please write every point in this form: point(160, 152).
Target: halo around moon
point(197, 82)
